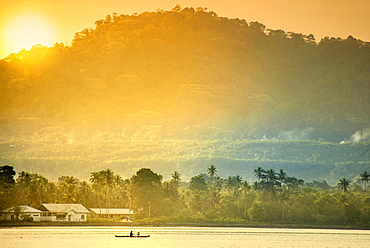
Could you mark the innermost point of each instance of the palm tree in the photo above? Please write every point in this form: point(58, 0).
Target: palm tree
point(271, 178)
point(259, 173)
point(212, 171)
point(365, 178)
point(96, 181)
point(256, 186)
point(176, 177)
point(344, 184)
point(245, 186)
point(233, 183)
point(68, 188)
point(281, 176)
point(84, 192)
point(271, 175)
point(103, 179)
point(238, 180)
point(108, 176)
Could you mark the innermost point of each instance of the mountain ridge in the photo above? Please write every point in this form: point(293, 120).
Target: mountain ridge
point(184, 74)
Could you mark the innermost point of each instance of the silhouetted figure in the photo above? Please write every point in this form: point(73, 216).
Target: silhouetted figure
point(131, 234)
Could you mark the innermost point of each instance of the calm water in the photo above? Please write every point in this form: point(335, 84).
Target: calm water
point(91, 237)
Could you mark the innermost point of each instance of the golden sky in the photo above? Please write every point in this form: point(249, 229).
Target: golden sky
point(24, 23)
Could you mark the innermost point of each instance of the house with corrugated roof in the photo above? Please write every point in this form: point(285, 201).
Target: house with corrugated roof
point(63, 212)
point(125, 214)
point(21, 212)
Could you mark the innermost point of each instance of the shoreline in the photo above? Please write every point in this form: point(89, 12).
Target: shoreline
point(168, 224)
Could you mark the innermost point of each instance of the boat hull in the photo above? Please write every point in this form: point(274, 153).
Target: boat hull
point(128, 236)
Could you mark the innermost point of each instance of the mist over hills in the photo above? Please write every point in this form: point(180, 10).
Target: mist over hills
point(185, 74)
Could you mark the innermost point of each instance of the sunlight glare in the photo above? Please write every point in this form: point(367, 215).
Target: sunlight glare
point(27, 30)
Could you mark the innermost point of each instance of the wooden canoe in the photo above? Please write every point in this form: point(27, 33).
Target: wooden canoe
point(134, 236)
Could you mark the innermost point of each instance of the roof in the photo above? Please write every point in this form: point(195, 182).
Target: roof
point(116, 211)
point(63, 208)
point(23, 209)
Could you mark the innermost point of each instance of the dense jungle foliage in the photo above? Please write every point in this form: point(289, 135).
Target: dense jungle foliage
point(180, 89)
point(274, 196)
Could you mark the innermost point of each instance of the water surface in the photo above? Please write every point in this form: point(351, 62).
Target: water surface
point(189, 237)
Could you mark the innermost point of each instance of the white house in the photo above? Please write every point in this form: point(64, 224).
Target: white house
point(63, 212)
point(22, 212)
point(125, 214)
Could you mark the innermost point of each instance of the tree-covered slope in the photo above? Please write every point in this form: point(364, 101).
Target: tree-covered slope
point(187, 76)
point(305, 159)
point(188, 73)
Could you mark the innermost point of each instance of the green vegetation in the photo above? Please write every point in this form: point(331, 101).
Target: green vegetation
point(187, 74)
point(275, 197)
point(180, 90)
point(146, 192)
point(309, 160)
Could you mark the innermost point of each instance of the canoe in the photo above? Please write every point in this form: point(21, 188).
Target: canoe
point(135, 236)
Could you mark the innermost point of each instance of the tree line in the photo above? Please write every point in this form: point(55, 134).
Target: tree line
point(273, 197)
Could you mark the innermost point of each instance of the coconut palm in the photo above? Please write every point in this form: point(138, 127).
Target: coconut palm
point(103, 179)
point(271, 177)
point(281, 176)
point(84, 193)
point(176, 177)
point(238, 180)
point(365, 178)
point(256, 186)
point(68, 188)
point(344, 184)
point(233, 183)
point(259, 173)
point(244, 190)
point(212, 171)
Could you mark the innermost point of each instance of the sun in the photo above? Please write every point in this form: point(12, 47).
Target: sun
point(26, 30)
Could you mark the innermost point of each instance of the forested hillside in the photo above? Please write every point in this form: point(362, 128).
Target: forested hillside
point(305, 159)
point(170, 79)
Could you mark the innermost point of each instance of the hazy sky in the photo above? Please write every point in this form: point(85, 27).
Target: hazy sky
point(24, 23)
